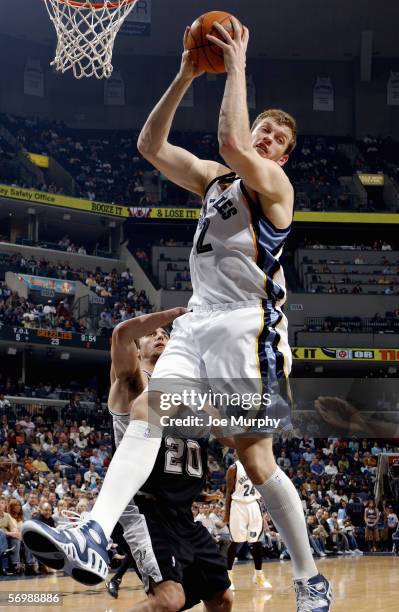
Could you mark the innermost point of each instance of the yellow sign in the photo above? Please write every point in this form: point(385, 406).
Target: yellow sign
point(164, 213)
point(345, 217)
point(313, 353)
point(371, 180)
point(184, 214)
point(51, 199)
point(39, 160)
point(140, 212)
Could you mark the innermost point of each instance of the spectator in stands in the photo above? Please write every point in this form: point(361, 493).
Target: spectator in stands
point(349, 531)
point(19, 494)
point(337, 534)
point(62, 489)
point(317, 543)
point(91, 476)
point(343, 464)
point(283, 461)
point(96, 461)
point(376, 449)
point(271, 535)
point(342, 510)
point(331, 469)
point(317, 467)
point(81, 442)
point(9, 490)
point(308, 455)
point(45, 516)
point(9, 527)
point(15, 511)
point(4, 553)
point(85, 429)
point(58, 515)
point(39, 464)
point(370, 463)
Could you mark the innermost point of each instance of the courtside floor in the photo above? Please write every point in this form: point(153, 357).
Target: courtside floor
point(370, 584)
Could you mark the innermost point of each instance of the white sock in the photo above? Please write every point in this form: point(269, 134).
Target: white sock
point(130, 467)
point(285, 508)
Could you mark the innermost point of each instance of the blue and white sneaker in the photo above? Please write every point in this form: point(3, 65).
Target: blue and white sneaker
point(79, 548)
point(313, 595)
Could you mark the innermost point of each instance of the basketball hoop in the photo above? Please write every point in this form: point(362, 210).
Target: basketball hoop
point(86, 34)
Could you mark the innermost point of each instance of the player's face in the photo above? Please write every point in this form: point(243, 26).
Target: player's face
point(271, 140)
point(154, 344)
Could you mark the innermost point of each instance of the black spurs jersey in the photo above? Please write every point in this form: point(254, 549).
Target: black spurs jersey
point(178, 476)
point(179, 473)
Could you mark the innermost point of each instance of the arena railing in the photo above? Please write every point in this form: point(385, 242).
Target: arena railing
point(35, 406)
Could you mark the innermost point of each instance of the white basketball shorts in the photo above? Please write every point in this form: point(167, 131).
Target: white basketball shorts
point(233, 348)
point(246, 523)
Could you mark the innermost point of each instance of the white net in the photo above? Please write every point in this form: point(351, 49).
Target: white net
point(86, 34)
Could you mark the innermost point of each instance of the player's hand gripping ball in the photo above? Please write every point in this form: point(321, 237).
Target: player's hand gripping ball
point(204, 54)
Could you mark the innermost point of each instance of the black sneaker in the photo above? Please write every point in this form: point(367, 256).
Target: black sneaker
point(113, 587)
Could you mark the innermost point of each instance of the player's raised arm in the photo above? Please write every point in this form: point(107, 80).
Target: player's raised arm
point(127, 381)
point(258, 166)
point(177, 164)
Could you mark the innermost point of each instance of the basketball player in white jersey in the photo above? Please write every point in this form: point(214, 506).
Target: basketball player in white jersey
point(244, 517)
point(236, 329)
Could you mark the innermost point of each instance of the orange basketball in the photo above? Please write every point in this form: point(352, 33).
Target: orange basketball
point(206, 55)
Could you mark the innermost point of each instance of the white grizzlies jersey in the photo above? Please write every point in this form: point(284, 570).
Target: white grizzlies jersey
point(244, 491)
point(236, 249)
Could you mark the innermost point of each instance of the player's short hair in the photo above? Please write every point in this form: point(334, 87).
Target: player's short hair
point(281, 118)
point(137, 340)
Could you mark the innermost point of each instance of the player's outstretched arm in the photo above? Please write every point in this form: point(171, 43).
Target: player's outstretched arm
point(127, 381)
point(177, 164)
point(342, 415)
point(263, 175)
point(124, 353)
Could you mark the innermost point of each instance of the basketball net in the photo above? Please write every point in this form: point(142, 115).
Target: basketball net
point(86, 34)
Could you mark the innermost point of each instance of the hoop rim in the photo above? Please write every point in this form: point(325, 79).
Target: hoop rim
point(95, 5)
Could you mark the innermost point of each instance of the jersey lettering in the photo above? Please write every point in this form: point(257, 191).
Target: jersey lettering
point(174, 457)
point(248, 490)
point(244, 490)
point(201, 247)
point(225, 207)
point(194, 462)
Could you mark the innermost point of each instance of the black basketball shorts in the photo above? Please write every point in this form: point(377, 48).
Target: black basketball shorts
point(169, 545)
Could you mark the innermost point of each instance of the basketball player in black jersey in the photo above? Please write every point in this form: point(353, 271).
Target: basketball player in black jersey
point(176, 558)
